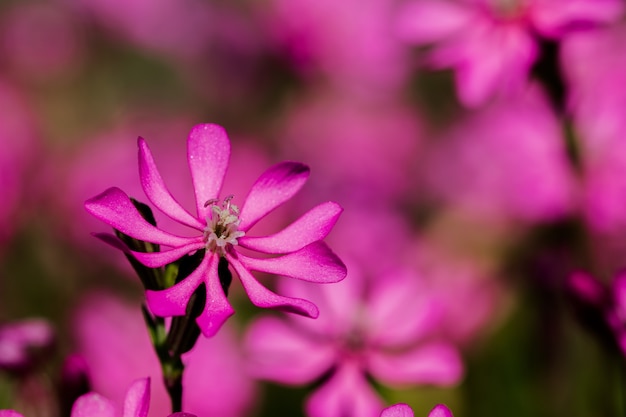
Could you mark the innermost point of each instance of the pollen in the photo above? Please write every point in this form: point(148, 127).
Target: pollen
point(222, 222)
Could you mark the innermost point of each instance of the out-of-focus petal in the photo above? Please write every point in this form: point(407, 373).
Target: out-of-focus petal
point(182, 414)
point(217, 309)
point(276, 350)
point(440, 410)
point(275, 186)
point(427, 21)
point(435, 363)
point(158, 259)
point(173, 301)
point(208, 153)
point(493, 58)
point(554, 18)
point(398, 410)
point(315, 263)
point(10, 413)
point(312, 226)
point(401, 294)
point(137, 402)
point(157, 192)
point(262, 297)
point(92, 405)
point(114, 208)
point(346, 394)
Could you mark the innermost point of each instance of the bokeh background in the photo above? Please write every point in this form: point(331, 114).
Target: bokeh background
point(491, 206)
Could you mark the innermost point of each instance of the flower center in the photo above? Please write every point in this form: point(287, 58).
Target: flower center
point(510, 9)
point(221, 225)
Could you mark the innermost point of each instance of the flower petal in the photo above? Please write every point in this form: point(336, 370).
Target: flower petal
point(315, 263)
point(434, 363)
point(398, 410)
point(440, 410)
point(427, 21)
point(157, 192)
point(158, 259)
point(114, 208)
point(90, 405)
point(275, 186)
point(276, 350)
point(10, 413)
point(208, 153)
point(137, 401)
point(346, 394)
point(264, 298)
point(314, 225)
point(217, 308)
point(556, 18)
point(173, 301)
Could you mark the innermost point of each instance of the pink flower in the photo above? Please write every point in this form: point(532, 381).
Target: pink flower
point(492, 44)
point(403, 410)
point(136, 404)
point(384, 328)
point(489, 164)
point(22, 343)
point(112, 338)
point(220, 228)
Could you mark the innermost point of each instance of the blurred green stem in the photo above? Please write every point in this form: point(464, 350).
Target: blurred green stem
point(172, 365)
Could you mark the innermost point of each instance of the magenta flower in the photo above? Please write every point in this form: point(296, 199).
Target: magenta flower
point(23, 343)
point(220, 228)
point(492, 44)
point(403, 410)
point(136, 404)
point(385, 328)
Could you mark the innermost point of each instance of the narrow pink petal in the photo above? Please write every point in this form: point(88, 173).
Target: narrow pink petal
point(91, 405)
point(173, 301)
point(397, 410)
point(276, 350)
point(158, 259)
point(114, 208)
point(314, 225)
point(157, 192)
point(275, 186)
point(554, 18)
point(435, 363)
point(217, 308)
point(440, 410)
point(346, 394)
point(208, 153)
point(264, 298)
point(137, 401)
point(315, 263)
point(426, 21)
point(10, 413)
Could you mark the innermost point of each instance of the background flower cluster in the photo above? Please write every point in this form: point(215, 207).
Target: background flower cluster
point(476, 148)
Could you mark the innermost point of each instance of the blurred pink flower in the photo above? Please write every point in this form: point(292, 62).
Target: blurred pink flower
point(114, 341)
point(382, 327)
point(504, 163)
point(403, 410)
point(136, 404)
point(220, 228)
point(597, 77)
point(22, 343)
point(492, 44)
point(348, 41)
point(41, 40)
